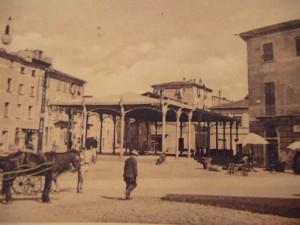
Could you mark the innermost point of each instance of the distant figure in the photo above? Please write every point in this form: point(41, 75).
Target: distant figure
point(54, 146)
point(130, 173)
point(245, 160)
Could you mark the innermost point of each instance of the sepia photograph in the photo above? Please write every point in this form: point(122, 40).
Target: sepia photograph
point(183, 112)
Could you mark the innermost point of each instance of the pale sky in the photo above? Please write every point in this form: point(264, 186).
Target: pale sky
point(122, 46)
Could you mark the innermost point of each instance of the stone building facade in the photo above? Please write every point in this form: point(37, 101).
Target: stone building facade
point(274, 89)
point(27, 84)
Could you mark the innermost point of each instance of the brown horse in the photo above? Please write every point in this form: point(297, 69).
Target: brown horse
point(24, 163)
point(63, 162)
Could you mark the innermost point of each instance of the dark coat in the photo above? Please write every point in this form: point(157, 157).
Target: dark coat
point(130, 167)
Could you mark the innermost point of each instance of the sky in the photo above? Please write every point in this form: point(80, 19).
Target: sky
point(125, 46)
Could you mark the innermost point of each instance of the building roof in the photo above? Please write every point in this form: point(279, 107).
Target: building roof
point(63, 76)
point(42, 65)
point(240, 104)
point(180, 84)
point(280, 27)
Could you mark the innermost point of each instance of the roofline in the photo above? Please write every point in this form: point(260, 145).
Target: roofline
point(16, 58)
point(57, 74)
point(181, 84)
point(280, 27)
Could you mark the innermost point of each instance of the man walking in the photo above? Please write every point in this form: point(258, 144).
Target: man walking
point(130, 173)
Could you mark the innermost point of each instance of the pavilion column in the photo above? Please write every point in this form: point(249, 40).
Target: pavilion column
point(137, 134)
point(156, 127)
point(101, 133)
point(237, 137)
point(164, 113)
point(126, 135)
point(122, 130)
point(208, 139)
point(230, 131)
point(84, 126)
point(224, 135)
point(178, 113)
point(189, 133)
point(114, 140)
point(217, 135)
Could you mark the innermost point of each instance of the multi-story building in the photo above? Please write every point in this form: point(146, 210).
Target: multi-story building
point(28, 84)
point(187, 91)
point(274, 88)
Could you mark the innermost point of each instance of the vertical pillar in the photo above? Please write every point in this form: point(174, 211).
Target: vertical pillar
point(237, 130)
point(224, 135)
point(208, 139)
point(114, 140)
point(178, 113)
point(126, 135)
point(122, 130)
point(137, 133)
point(164, 113)
point(147, 128)
point(101, 132)
point(230, 131)
point(217, 136)
point(156, 127)
point(189, 133)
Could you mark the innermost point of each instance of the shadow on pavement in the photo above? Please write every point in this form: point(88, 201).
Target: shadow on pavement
point(113, 198)
point(276, 206)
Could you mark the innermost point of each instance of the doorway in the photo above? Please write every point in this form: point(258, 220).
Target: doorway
point(272, 153)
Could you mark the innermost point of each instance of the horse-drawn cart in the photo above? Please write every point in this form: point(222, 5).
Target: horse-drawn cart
point(26, 180)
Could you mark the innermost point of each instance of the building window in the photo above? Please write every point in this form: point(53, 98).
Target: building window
point(239, 118)
point(9, 82)
point(6, 109)
point(298, 46)
point(65, 86)
point(17, 137)
point(21, 89)
point(58, 85)
point(32, 91)
point(79, 91)
point(23, 70)
point(268, 52)
point(270, 98)
point(19, 111)
point(30, 112)
point(33, 73)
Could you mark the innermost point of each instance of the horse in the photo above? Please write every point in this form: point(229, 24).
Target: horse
point(24, 163)
point(87, 156)
point(62, 162)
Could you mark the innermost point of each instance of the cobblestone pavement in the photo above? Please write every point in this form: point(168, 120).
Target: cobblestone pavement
point(102, 198)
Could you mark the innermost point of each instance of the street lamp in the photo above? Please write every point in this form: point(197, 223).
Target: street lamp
point(6, 38)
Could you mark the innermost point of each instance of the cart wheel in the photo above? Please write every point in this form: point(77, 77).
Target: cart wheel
point(33, 184)
point(18, 184)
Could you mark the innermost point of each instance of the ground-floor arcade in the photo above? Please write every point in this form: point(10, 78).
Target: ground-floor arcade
point(163, 125)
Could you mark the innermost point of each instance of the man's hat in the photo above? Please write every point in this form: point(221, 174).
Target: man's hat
point(134, 152)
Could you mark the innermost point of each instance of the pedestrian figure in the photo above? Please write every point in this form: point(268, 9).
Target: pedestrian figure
point(130, 173)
